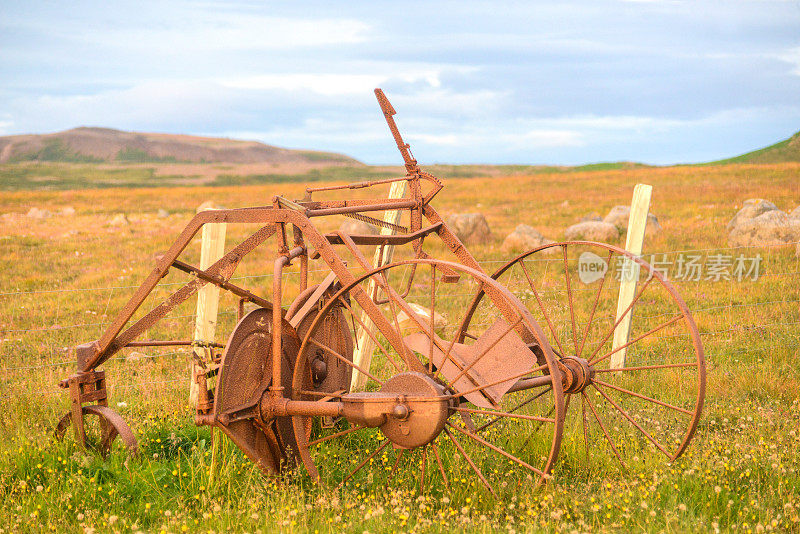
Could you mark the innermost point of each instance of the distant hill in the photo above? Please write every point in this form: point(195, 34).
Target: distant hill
point(780, 152)
point(96, 145)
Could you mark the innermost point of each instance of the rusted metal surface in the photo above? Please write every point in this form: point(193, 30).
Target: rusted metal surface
point(283, 377)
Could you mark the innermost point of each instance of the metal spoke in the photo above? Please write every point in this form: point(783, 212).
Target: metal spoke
point(371, 335)
point(363, 463)
point(621, 317)
point(539, 426)
point(646, 367)
point(643, 397)
point(627, 416)
point(422, 478)
point(486, 351)
point(514, 409)
point(433, 314)
point(541, 305)
point(629, 343)
point(462, 328)
point(506, 379)
point(569, 296)
point(501, 451)
point(596, 301)
point(336, 435)
point(390, 293)
point(399, 454)
point(603, 427)
point(345, 360)
point(506, 414)
point(469, 461)
point(439, 463)
point(585, 427)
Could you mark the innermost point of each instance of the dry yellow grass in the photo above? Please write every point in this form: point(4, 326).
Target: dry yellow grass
point(64, 271)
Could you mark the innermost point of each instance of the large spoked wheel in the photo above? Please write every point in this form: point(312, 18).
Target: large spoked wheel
point(101, 430)
point(630, 394)
point(491, 433)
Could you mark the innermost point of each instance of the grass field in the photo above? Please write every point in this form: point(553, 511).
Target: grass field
point(65, 277)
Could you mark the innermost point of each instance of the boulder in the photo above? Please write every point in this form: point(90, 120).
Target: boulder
point(356, 227)
point(593, 231)
point(524, 238)
point(208, 205)
point(36, 213)
point(795, 214)
point(470, 228)
point(752, 208)
point(408, 325)
point(67, 211)
point(162, 213)
point(120, 219)
point(771, 228)
point(619, 215)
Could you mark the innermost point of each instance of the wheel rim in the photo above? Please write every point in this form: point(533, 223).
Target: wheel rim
point(110, 426)
point(656, 400)
point(488, 457)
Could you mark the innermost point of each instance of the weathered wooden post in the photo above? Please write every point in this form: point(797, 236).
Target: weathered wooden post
point(637, 224)
point(362, 356)
point(212, 249)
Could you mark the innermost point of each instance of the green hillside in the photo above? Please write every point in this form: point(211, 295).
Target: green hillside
point(780, 152)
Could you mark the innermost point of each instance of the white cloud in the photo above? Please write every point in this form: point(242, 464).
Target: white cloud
point(324, 84)
point(362, 81)
point(791, 56)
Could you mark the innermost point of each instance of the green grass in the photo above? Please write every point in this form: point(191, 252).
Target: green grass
point(134, 155)
point(55, 150)
point(780, 152)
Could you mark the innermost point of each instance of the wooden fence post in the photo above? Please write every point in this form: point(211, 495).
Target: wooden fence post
point(637, 224)
point(212, 249)
point(362, 356)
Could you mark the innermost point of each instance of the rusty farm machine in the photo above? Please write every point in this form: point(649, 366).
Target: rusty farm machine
point(499, 371)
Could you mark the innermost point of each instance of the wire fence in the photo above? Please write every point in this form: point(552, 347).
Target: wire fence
point(784, 312)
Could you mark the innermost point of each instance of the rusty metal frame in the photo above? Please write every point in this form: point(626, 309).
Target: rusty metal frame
point(87, 385)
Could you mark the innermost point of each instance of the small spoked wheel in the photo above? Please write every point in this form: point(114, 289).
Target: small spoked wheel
point(635, 365)
point(462, 408)
point(100, 430)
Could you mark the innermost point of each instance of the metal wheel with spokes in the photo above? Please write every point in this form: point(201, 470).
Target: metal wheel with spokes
point(101, 430)
point(630, 394)
point(483, 434)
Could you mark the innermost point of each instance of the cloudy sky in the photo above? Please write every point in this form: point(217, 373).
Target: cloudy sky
point(493, 82)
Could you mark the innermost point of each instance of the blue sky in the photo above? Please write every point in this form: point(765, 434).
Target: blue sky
point(473, 82)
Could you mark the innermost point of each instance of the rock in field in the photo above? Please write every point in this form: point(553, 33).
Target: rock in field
point(752, 208)
point(524, 238)
point(356, 227)
point(162, 213)
point(408, 325)
point(771, 228)
point(67, 211)
point(619, 215)
point(208, 205)
point(795, 214)
point(593, 231)
point(120, 219)
point(470, 228)
point(37, 213)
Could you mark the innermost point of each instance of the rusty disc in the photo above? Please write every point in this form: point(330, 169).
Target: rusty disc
point(111, 426)
point(650, 402)
point(245, 374)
